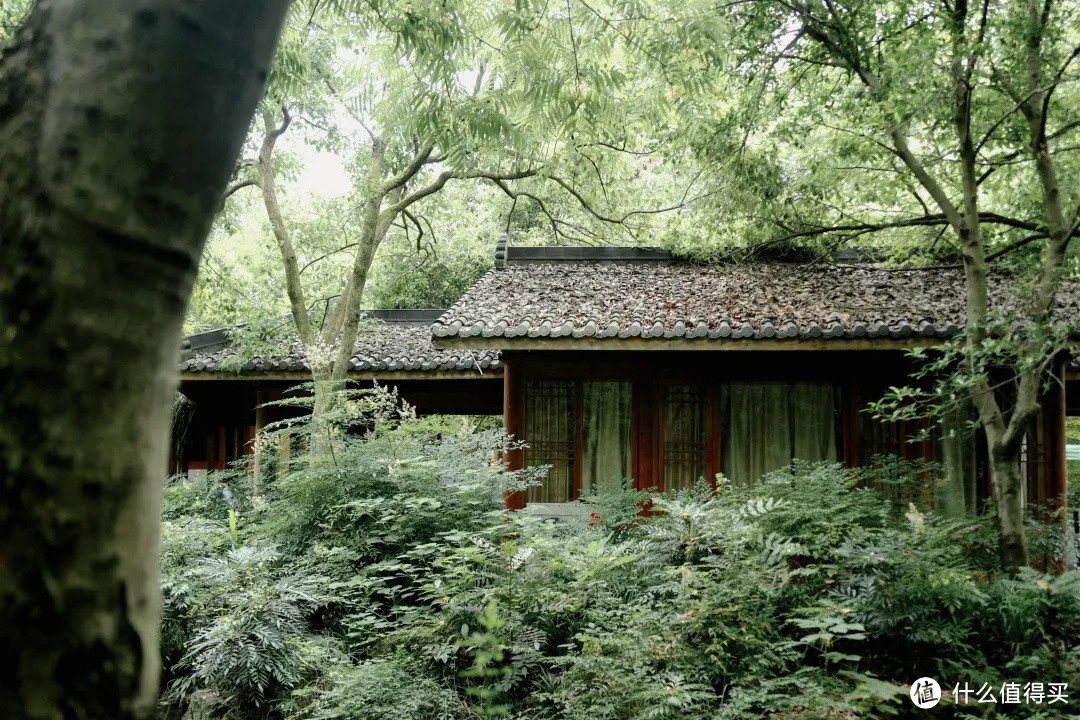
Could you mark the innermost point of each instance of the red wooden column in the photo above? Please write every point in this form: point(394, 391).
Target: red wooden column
point(1054, 425)
point(514, 423)
point(646, 438)
point(219, 461)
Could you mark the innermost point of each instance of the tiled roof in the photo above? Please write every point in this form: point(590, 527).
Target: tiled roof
point(679, 300)
point(391, 341)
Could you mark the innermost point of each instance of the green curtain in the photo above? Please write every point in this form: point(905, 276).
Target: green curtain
point(549, 434)
point(767, 424)
point(956, 495)
point(605, 431)
point(814, 416)
point(685, 438)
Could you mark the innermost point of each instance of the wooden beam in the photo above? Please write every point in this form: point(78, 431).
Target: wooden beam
point(1054, 422)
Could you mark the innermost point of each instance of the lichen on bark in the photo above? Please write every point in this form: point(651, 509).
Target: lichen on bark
point(119, 124)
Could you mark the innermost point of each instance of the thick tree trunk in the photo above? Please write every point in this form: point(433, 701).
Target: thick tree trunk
point(119, 124)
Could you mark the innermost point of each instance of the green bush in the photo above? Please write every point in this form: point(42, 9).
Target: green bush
point(388, 582)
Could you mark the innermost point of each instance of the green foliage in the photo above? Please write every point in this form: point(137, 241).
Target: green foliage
point(487, 668)
point(12, 14)
point(399, 589)
point(261, 590)
point(537, 110)
point(435, 270)
point(249, 651)
point(373, 690)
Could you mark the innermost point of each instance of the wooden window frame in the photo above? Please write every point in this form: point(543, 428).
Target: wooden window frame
point(575, 424)
point(711, 459)
point(646, 416)
point(522, 373)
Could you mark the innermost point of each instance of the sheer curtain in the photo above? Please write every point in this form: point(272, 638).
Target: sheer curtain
point(956, 452)
point(550, 407)
point(605, 432)
point(767, 424)
point(684, 435)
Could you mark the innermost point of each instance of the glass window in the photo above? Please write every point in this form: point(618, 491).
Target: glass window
point(550, 410)
point(605, 432)
point(767, 424)
point(684, 434)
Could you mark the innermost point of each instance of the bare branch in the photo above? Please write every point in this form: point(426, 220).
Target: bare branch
point(234, 187)
point(920, 221)
point(608, 218)
point(515, 194)
point(419, 228)
point(447, 175)
point(326, 255)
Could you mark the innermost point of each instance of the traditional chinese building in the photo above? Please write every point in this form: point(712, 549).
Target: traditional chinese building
point(393, 348)
point(626, 362)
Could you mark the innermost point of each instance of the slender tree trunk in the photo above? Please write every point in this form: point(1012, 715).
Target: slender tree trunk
point(1007, 483)
point(322, 402)
point(331, 377)
point(365, 255)
point(1005, 457)
point(120, 121)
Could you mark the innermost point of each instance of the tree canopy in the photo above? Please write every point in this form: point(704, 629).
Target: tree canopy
point(916, 133)
point(534, 120)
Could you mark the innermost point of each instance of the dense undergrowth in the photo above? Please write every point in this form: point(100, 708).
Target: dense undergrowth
point(385, 582)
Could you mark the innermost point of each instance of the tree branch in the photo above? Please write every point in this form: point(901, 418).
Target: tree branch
point(238, 186)
point(326, 255)
point(418, 161)
point(445, 177)
point(268, 183)
point(921, 221)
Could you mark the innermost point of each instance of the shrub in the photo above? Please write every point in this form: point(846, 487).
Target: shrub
point(388, 582)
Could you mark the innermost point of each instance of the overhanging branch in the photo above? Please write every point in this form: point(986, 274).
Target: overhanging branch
point(932, 220)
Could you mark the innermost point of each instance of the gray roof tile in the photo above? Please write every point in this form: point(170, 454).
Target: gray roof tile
point(749, 301)
point(400, 344)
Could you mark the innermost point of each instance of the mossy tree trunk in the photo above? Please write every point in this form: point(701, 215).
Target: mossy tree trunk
point(120, 121)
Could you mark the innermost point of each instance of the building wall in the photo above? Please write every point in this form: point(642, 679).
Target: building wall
point(222, 417)
point(546, 396)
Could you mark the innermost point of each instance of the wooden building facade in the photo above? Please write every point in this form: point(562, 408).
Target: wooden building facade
point(626, 363)
point(223, 396)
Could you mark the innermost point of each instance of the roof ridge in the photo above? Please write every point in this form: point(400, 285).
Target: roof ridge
point(507, 255)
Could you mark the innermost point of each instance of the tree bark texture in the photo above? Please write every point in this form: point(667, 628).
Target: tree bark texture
point(120, 121)
point(1007, 484)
